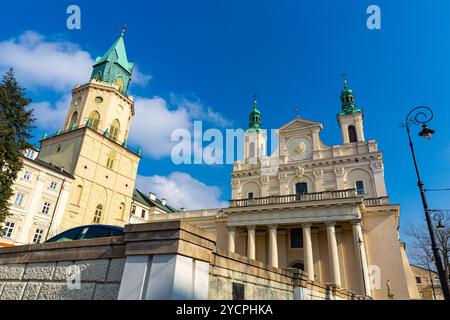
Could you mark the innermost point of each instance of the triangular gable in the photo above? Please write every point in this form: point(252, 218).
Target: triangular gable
point(299, 123)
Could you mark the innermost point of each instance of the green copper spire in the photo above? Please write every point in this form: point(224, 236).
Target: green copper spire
point(113, 67)
point(255, 116)
point(348, 101)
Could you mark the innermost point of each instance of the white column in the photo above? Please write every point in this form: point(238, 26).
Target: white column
point(273, 246)
point(333, 254)
point(308, 251)
point(33, 209)
point(361, 258)
point(232, 239)
point(251, 245)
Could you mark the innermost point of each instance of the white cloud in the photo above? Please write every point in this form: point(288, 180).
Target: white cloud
point(58, 65)
point(199, 112)
point(182, 191)
point(156, 120)
point(153, 125)
point(41, 63)
point(140, 79)
point(51, 117)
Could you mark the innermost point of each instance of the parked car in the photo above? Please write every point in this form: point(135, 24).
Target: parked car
point(87, 232)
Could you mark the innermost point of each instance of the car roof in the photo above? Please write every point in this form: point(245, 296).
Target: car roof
point(99, 226)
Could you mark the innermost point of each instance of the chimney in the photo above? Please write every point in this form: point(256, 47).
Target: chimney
point(152, 196)
point(163, 201)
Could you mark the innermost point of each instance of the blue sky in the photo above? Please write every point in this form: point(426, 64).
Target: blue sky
point(205, 60)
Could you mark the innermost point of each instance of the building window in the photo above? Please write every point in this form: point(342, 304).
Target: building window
point(53, 185)
point(73, 121)
point(251, 195)
point(77, 195)
point(299, 265)
point(8, 230)
point(120, 83)
point(122, 210)
point(38, 235)
point(46, 208)
point(27, 176)
point(301, 188)
point(133, 210)
point(143, 214)
point(111, 160)
point(252, 150)
point(360, 188)
point(352, 134)
point(98, 76)
point(29, 153)
point(238, 291)
point(20, 198)
point(58, 149)
point(296, 238)
point(94, 120)
point(98, 214)
point(418, 280)
point(114, 130)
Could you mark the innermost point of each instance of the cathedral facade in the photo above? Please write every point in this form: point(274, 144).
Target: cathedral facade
point(318, 208)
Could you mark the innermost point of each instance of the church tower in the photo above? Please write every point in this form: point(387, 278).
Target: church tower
point(255, 137)
point(351, 117)
point(92, 145)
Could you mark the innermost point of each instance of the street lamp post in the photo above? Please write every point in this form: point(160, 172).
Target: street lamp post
point(422, 116)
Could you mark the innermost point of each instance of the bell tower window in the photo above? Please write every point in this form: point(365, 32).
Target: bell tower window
point(114, 130)
point(94, 120)
point(73, 121)
point(352, 134)
point(120, 83)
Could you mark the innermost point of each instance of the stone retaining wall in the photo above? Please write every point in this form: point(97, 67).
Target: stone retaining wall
point(50, 271)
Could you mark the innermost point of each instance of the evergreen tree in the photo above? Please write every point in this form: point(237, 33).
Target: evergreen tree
point(16, 123)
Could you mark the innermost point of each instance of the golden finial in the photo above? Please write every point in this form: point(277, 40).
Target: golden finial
point(124, 28)
point(344, 76)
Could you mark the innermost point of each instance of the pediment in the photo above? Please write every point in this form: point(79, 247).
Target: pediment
point(299, 124)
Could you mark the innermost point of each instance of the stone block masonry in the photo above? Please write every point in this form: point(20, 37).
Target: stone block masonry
point(150, 262)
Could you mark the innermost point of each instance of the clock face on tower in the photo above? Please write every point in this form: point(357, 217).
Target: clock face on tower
point(299, 149)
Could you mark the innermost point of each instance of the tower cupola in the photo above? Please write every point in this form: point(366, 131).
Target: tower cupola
point(255, 116)
point(113, 67)
point(348, 101)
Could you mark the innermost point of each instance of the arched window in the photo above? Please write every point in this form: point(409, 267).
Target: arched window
point(301, 188)
point(122, 210)
point(111, 160)
point(352, 134)
point(299, 265)
point(77, 195)
point(120, 83)
point(114, 130)
point(94, 120)
point(98, 214)
point(98, 76)
point(252, 150)
point(73, 121)
point(360, 188)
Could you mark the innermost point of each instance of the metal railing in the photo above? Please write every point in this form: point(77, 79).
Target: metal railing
point(294, 198)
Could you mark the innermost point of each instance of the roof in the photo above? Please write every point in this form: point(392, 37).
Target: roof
point(118, 54)
point(140, 197)
point(51, 167)
point(425, 269)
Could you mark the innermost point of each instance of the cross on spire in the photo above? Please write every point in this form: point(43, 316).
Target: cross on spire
point(297, 112)
point(124, 29)
point(255, 101)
